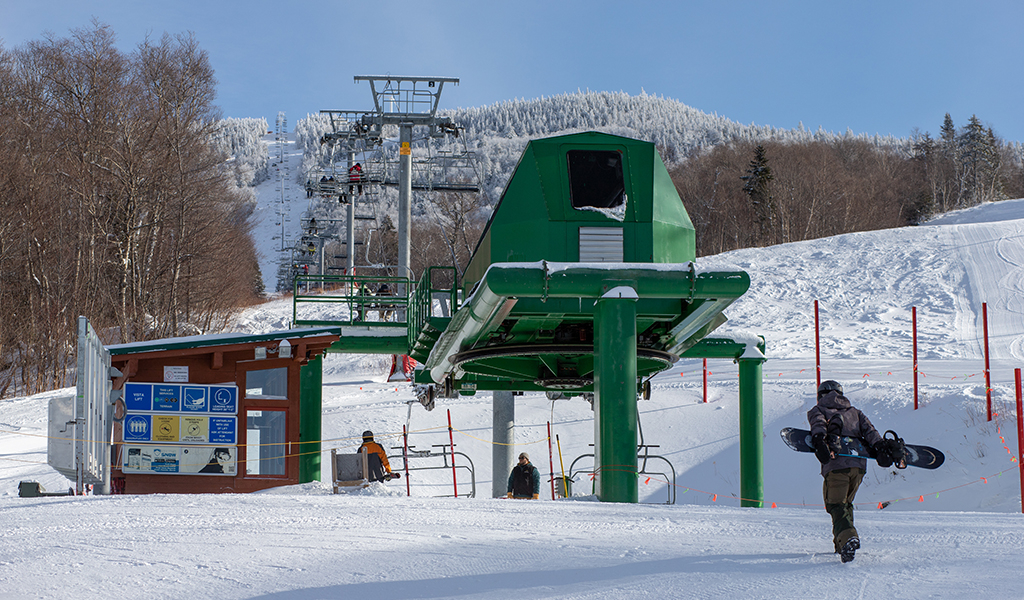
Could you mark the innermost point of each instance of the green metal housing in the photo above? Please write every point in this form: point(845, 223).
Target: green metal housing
point(584, 282)
point(556, 242)
point(535, 218)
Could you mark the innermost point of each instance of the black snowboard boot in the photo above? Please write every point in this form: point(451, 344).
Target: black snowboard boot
point(849, 549)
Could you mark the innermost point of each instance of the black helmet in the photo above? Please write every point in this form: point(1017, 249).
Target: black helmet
point(367, 435)
point(829, 386)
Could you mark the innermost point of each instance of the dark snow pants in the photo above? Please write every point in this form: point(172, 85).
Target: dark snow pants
point(839, 490)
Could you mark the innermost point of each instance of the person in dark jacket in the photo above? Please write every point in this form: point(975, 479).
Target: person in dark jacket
point(524, 481)
point(832, 418)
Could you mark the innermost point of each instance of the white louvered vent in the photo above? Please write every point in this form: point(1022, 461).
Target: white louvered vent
point(600, 244)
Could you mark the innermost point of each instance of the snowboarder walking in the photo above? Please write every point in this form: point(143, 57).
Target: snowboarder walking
point(524, 481)
point(832, 418)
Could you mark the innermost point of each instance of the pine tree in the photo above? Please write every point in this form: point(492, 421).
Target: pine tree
point(926, 156)
point(974, 153)
point(948, 134)
point(950, 186)
point(758, 188)
point(992, 163)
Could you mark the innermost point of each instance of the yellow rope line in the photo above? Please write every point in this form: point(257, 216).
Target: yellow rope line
point(493, 443)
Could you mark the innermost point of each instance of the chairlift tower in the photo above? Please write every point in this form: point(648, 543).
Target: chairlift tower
point(406, 102)
point(280, 141)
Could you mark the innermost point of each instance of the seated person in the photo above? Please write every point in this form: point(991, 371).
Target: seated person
point(381, 472)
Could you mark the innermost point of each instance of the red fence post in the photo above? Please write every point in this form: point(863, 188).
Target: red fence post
point(705, 381)
point(817, 350)
point(451, 439)
point(405, 457)
point(1020, 438)
point(913, 316)
point(551, 462)
point(988, 378)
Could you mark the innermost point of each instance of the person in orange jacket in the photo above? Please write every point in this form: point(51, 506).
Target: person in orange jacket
point(372, 447)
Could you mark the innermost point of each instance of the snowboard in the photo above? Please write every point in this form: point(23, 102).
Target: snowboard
point(924, 457)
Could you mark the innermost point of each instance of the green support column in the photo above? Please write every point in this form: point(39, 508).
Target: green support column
point(615, 396)
point(310, 419)
point(751, 429)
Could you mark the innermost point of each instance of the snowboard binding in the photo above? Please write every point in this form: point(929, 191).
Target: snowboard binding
point(834, 435)
point(895, 449)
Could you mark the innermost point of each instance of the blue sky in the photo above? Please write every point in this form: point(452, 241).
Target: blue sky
point(873, 67)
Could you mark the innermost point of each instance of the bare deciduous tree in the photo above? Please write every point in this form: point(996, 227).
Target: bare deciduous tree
point(115, 204)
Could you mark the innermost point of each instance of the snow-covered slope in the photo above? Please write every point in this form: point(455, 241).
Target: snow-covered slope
point(954, 531)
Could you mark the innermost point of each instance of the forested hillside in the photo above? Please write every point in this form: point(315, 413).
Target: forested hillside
point(242, 141)
point(499, 132)
point(743, 185)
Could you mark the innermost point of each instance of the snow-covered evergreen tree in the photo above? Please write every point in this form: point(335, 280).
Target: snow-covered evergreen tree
point(242, 139)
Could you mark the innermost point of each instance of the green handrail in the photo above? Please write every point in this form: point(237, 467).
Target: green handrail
point(437, 283)
point(359, 293)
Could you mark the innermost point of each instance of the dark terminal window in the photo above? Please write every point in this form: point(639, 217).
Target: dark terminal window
point(595, 178)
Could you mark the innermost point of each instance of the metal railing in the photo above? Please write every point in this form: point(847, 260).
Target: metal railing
point(366, 300)
point(643, 456)
point(436, 296)
point(443, 454)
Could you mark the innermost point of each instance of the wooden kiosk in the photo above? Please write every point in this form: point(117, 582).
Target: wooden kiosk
point(228, 413)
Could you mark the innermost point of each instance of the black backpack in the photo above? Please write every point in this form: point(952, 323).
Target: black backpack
point(522, 480)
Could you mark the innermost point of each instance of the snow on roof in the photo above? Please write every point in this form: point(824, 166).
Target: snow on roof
point(220, 339)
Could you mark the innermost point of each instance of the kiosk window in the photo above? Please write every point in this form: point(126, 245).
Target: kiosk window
point(265, 442)
point(595, 178)
point(267, 383)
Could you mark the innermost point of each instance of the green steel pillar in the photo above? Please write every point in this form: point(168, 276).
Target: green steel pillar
point(615, 395)
point(751, 430)
point(310, 419)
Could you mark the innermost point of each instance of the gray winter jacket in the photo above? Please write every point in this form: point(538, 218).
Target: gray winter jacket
point(855, 424)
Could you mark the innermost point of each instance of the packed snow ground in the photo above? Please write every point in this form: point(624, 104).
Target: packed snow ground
point(954, 531)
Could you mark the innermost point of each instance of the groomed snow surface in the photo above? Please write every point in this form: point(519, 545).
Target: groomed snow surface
point(954, 532)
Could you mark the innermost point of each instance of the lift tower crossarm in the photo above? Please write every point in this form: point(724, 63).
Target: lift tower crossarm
point(406, 97)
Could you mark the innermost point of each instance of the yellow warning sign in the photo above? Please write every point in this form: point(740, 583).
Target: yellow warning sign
point(165, 428)
point(405, 149)
point(193, 429)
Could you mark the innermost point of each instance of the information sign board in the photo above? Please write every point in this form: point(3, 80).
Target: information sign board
point(198, 429)
point(179, 460)
point(180, 429)
point(188, 398)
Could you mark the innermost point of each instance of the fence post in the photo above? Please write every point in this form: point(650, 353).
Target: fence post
point(913, 315)
point(817, 350)
point(705, 381)
point(451, 439)
point(551, 462)
point(405, 457)
point(1020, 438)
point(988, 378)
